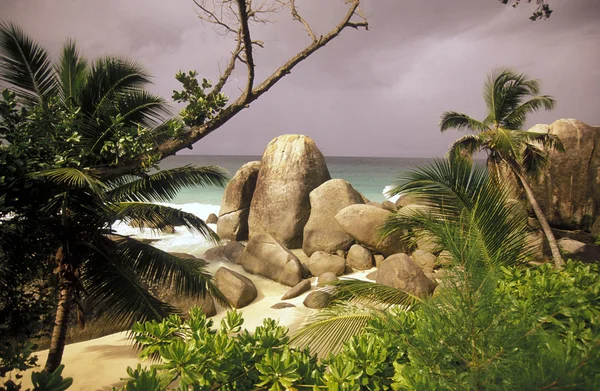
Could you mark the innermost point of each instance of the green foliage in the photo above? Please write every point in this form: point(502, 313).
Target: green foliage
point(543, 10)
point(200, 105)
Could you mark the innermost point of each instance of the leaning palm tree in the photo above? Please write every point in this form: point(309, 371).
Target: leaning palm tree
point(99, 114)
point(509, 98)
point(467, 214)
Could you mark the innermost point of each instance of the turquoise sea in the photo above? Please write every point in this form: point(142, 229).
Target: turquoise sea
point(369, 175)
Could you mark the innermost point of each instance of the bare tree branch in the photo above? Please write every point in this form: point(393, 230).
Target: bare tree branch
point(245, 15)
point(247, 43)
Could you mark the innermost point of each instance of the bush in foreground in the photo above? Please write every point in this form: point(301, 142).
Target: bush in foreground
point(535, 329)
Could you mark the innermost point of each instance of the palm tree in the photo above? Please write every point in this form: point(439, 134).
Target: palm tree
point(509, 98)
point(109, 117)
point(467, 214)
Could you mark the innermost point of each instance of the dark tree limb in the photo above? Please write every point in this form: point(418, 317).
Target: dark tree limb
point(245, 15)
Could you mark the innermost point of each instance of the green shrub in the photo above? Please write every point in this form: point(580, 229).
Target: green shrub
point(522, 329)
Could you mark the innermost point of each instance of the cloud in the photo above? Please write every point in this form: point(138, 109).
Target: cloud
point(375, 93)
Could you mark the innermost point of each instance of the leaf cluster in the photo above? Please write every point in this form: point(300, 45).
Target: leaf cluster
point(201, 106)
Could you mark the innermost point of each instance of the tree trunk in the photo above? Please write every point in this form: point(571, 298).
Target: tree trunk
point(61, 322)
point(558, 261)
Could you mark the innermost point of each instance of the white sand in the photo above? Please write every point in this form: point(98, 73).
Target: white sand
point(99, 364)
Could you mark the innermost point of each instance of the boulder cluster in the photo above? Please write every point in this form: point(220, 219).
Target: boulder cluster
point(287, 220)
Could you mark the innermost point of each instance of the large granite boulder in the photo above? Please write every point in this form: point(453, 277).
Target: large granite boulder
point(235, 206)
point(363, 223)
point(291, 167)
point(238, 289)
point(399, 271)
point(266, 256)
point(569, 190)
point(322, 232)
point(359, 258)
point(321, 262)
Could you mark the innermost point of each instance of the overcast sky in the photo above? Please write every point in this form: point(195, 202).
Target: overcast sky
point(368, 93)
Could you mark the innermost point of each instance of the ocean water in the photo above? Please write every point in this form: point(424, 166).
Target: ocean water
point(369, 175)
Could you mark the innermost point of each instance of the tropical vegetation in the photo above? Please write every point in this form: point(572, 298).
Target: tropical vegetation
point(509, 97)
point(529, 329)
point(61, 121)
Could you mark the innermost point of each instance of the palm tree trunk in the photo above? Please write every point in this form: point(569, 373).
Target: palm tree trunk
point(558, 261)
point(59, 333)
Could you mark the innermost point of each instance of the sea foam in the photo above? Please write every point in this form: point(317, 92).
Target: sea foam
point(182, 240)
point(386, 193)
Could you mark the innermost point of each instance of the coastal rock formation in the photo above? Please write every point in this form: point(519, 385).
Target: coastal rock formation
point(266, 256)
point(569, 190)
point(425, 260)
point(235, 206)
point(238, 289)
point(321, 262)
point(363, 222)
point(569, 246)
point(378, 258)
point(359, 258)
point(399, 271)
point(212, 219)
point(326, 279)
point(388, 205)
point(215, 254)
point(291, 167)
point(317, 299)
point(297, 290)
point(233, 252)
point(322, 232)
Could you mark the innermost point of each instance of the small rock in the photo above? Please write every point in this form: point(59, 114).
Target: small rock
point(233, 252)
point(569, 246)
point(279, 306)
point(326, 279)
point(321, 262)
point(372, 276)
point(317, 299)
point(425, 260)
point(444, 258)
point(348, 270)
point(399, 271)
point(359, 258)
point(378, 259)
point(388, 205)
point(215, 254)
point(212, 219)
point(297, 290)
point(238, 289)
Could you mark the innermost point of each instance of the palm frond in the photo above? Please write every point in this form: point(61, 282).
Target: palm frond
point(533, 160)
point(108, 77)
point(164, 185)
point(140, 106)
point(465, 147)
point(146, 215)
point(370, 294)
point(25, 64)
point(547, 140)
point(454, 120)
point(186, 276)
point(118, 291)
point(72, 178)
point(326, 330)
point(516, 119)
point(71, 70)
